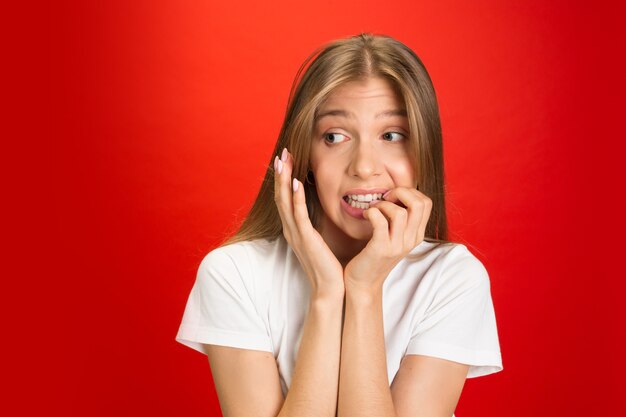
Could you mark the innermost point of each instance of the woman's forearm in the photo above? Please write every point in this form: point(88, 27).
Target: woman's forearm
point(313, 390)
point(364, 385)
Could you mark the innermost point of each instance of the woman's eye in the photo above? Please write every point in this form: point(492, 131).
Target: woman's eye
point(393, 136)
point(335, 137)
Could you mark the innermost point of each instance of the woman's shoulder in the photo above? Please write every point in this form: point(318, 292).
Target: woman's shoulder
point(242, 250)
point(445, 263)
point(246, 256)
point(441, 252)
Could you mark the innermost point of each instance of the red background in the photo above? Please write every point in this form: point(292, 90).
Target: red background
point(162, 116)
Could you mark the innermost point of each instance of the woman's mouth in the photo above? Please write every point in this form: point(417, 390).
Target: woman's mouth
point(362, 201)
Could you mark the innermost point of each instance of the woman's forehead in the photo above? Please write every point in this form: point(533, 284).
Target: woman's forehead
point(372, 94)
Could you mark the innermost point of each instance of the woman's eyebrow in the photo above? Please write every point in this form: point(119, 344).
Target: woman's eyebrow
point(348, 115)
point(340, 113)
point(391, 113)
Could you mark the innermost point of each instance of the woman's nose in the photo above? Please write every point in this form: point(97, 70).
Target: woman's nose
point(365, 162)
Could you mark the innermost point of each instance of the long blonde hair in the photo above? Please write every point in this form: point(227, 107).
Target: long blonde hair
point(326, 69)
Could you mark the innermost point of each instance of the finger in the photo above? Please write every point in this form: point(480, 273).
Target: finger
point(418, 207)
point(412, 199)
point(392, 196)
point(379, 223)
point(300, 212)
point(428, 206)
point(396, 217)
point(282, 191)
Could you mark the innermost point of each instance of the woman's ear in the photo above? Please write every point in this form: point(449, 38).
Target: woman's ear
point(310, 178)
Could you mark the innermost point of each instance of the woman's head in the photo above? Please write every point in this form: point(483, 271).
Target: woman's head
point(346, 62)
point(360, 151)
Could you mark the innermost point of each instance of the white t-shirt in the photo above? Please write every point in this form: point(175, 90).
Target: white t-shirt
point(254, 295)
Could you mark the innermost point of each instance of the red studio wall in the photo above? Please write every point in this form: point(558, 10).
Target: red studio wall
point(166, 114)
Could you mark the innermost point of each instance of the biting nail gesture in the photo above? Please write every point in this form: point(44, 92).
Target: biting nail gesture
point(399, 224)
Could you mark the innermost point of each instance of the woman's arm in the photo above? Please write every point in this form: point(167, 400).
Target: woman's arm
point(315, 381)
point(364, 387)
point(423, 386)
point(427, 386)
point(314, 385)
point(247, 382)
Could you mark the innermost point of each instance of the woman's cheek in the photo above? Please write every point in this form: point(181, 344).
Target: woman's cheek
point(397, 164)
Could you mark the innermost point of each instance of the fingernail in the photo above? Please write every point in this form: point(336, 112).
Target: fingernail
point(386, 194)
point(374, 202)
point(279, 168)
point(295, 185)
point(276, 163)
point(283, 156)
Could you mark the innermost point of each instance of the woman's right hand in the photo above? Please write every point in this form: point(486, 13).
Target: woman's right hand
point(319, 263)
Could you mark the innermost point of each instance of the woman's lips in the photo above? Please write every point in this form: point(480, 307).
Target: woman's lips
point(356, 201)
point(352, 211)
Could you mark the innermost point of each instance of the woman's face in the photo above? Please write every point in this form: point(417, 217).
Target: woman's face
point(360, 150)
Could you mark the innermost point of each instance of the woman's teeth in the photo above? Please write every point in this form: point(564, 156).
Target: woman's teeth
point(362, 201)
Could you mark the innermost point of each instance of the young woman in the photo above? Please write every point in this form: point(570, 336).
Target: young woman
point(340, 294)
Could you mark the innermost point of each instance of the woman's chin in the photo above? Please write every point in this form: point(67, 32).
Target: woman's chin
point(361, 233)
point(346, 232)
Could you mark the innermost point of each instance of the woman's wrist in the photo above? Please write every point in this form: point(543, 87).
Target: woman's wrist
point(363, 293)
point(324, 295)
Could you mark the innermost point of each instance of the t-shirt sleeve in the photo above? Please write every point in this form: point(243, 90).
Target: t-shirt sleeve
point(459, 324)
point(222, 308)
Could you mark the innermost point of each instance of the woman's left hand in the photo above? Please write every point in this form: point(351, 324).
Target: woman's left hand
point(397, 230)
